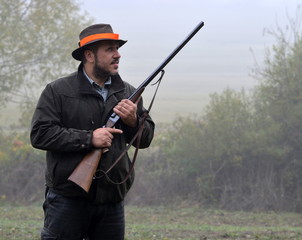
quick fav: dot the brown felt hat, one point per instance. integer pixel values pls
(94, 33)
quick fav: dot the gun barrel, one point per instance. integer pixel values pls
(168, 59)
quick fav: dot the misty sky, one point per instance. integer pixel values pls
(219, 56)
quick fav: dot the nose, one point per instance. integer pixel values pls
(116, 54)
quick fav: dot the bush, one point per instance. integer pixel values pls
(21, 170)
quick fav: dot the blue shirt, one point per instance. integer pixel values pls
(103, 91)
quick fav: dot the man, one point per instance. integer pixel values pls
(68, 123)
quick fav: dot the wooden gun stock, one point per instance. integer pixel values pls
(84, 172)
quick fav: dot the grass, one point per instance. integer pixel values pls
(160, 223)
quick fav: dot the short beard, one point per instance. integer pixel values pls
(99, 72)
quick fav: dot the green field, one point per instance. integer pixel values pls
(146, 223)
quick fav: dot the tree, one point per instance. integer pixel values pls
(37, 38)
(279, 98)
(245, 151)
(228, 121)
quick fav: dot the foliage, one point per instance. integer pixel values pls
(279, 98)
(21, 170)
(244, 152)
(37, 38)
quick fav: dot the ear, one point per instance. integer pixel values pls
(89, 56)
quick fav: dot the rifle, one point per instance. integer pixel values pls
(84, 172)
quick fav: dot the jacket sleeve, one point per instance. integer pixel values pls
(47, 131)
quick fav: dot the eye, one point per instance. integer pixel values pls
(112, 49)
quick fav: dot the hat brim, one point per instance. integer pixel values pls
(78, 53)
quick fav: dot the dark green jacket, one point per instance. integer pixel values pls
(68, 110)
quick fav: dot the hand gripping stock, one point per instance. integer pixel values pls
(86, 169)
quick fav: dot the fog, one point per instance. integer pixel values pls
(221, 55)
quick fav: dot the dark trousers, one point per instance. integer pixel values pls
(78, 219)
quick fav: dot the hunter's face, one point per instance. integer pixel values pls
(106, 59)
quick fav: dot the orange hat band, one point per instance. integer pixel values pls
(93, 37)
